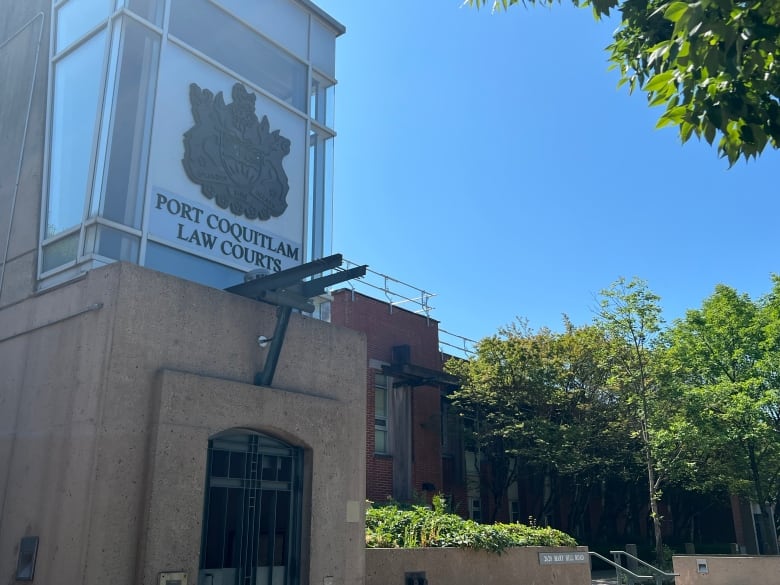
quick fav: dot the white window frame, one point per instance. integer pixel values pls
(382, 423)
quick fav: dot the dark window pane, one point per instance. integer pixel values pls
(267, 521)
(214, 524)
(219, 463)
(285, 470)
(237, 464)
(282, 527)
(269, 468)
(233, 525)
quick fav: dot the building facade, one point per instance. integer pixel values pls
(154, 152)
(414, 445)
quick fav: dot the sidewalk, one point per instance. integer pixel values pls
(603, 578)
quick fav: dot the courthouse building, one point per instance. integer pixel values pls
(153, 153)
(155, 426)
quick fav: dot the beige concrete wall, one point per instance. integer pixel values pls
(110, 388)
(727, 570)
(457, 566)
(23, 79)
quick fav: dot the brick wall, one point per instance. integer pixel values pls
(379, 468)
(426, 440)
(386, 327)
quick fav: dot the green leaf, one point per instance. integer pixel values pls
(709, 132)
(659, 50)
(659, 81)
(675, 11)
(686, 129)
(675, 115)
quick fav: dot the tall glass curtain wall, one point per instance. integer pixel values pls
(104, 73)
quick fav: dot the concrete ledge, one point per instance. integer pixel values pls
(725, 570)
(462, 566)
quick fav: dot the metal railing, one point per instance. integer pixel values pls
(456, 345)
(397, 293)
(629, 577)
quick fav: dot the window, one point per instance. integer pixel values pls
(445, 426)
(251, 516)
(119, 179)
(320, 201)
(99, 143)
(151, 10)
(74, 19)
(381, 444)
(321, 100)
(475, 509)
(77, 94)
(470, 434)
(514, 511)
(238, 47)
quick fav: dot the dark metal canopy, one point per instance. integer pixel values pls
(288, 290)
(412, 375)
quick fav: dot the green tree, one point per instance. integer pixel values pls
(595, 444)
(539, 403)
(724, 357)
(711, 64)
(504, 398)
(630, 316)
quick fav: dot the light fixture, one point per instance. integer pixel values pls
(262, 340)
(25, 564)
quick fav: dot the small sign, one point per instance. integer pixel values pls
(562, 558)
(173, 578)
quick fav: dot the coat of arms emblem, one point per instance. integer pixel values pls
(236, 159)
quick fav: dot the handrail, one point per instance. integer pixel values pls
(657, 574)
(620, 569)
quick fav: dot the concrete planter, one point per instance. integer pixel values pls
(726, 570)
(461, 566)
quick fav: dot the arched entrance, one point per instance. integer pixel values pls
(252, 511)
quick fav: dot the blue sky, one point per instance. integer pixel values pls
(491, 159)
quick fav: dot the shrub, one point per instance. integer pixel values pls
(389, 526)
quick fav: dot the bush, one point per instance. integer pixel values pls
(389, 526)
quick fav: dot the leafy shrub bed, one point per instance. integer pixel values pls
(391, 527)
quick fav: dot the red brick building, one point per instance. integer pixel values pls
(413, 444)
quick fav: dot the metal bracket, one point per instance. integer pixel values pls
(288, 290)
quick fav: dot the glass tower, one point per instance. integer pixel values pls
(173, 123)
